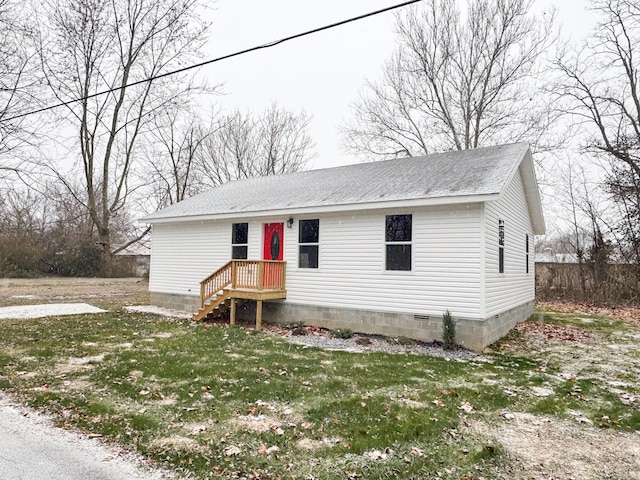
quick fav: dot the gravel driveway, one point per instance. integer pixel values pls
(31, 447)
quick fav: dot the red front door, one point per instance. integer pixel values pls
(273, 243)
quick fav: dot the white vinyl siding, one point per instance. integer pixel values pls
(446, 256)
(513, 287)
(183, 254)
(352, 275)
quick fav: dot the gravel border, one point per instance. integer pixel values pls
(361, 343)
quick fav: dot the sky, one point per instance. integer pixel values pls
(321, 74)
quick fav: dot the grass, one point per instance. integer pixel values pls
(224, 402)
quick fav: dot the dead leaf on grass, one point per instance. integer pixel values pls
(416, 452)
(467, 407)
(232, 450)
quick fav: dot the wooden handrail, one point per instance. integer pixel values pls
(244, 274)
(215, 282)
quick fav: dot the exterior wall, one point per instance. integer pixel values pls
(504, 291)
(451, 269)
(184, 253)
(351, 275)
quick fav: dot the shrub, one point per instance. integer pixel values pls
(448, 331)
(342, 333)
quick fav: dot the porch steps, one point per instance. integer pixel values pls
(214, 307)
(241, 280)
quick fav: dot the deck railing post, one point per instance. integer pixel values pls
(234, 274)
(260, 275)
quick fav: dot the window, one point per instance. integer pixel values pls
(308, 239)
(527, 252)
(398, 242)
(239, 240)
(500, 246)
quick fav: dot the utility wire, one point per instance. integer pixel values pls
(214, 60)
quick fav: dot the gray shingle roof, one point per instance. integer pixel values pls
(478, 172)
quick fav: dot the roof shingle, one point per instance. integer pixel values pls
(477, 172)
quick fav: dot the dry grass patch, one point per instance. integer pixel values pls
(550, 448)
(177, 443)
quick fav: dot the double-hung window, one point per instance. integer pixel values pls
(526, 248)
(239, 240)
(500, 246)
(308, 243)
(398, 238)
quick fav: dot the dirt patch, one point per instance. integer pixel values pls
(103, 291)
(549, 448)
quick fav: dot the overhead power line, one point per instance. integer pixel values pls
(214, 60)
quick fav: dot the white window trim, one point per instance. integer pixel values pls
(384, 250)
(308, 244)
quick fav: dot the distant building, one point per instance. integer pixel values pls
(134, 260)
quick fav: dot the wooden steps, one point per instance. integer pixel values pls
(241, 280)
(215, 306)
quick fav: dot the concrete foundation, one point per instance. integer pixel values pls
(187, 303)
(474, 334)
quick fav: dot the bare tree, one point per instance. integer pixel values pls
(241, 146)
(171, 166)
(602, 87)
(16, 84)
(458, 80)
(96, 45)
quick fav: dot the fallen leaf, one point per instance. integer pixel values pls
(377, 455)
(232, 450)
(262, 450)
(467, 407)
(416, 452)
(307, 425)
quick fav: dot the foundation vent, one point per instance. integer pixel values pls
(423, 318)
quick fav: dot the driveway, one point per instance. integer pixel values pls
(31, 447)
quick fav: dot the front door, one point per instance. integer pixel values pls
(273, 245)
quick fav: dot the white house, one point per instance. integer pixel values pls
(383, 247)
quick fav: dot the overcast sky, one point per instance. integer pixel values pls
(321, 74)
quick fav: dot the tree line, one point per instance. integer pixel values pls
(462, 76)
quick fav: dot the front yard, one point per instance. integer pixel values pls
(559, 398)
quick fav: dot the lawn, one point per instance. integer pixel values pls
(213, 401)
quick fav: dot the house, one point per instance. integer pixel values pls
(383, 247)
(134, 260)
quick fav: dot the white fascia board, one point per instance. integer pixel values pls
(532, 193)
(397, 204)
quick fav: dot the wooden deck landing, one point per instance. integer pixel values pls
(257, 280)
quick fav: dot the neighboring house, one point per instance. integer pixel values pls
(383, 247)
(134, 260)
